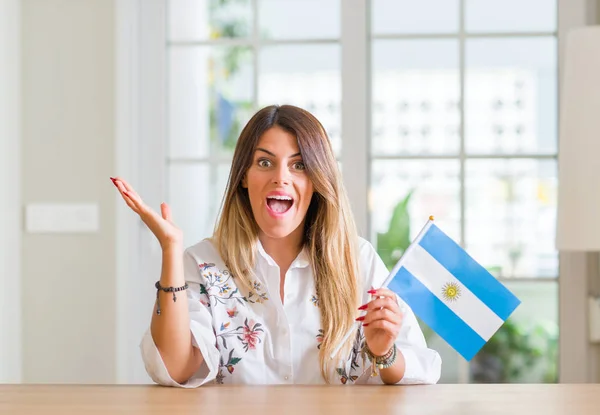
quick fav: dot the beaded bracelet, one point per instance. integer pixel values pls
(167, 290)
(380, 362)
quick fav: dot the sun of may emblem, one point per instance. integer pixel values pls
(451, 291)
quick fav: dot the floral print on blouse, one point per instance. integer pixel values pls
(252, 337)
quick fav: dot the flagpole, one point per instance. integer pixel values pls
(390, 277)
(400, 262)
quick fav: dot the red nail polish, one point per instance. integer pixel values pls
(372, 291)
(360, 318)
(363, 307)
(365, 324)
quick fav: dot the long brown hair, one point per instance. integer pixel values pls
(329, 230)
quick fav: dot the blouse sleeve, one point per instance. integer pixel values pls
(203, 336)
(423, 365)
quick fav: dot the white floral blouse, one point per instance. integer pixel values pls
(254, 338)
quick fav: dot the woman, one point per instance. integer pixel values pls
(272, 294)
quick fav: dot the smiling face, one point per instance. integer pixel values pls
(278, 185)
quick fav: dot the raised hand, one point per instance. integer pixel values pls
(162, 226)
(382, 321)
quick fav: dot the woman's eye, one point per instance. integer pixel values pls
(264, 163)
(299, 165)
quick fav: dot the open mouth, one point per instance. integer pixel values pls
(279, 204)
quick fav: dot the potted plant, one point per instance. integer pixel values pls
(518, 353)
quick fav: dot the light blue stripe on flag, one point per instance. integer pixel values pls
(436, 314)
(465, 269)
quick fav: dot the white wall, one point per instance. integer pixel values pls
(10, 316)
(68, 281)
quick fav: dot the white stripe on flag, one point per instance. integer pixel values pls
(467, 307)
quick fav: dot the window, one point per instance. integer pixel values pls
(462, 125)
(226, 59)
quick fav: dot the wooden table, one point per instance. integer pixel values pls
(305, 400)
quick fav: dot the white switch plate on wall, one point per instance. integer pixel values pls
(61, 218)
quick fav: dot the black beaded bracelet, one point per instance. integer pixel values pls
(167, 290)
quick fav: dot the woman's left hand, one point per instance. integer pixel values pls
(382, 322)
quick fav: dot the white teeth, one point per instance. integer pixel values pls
(279, 197)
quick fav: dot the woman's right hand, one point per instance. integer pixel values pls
(167, 233)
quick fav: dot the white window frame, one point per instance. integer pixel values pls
(140, 131)
(10, 192)
(141, 138)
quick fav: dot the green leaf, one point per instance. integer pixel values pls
(235, 360)
(392, 244)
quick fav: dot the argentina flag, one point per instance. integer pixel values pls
(453, 294)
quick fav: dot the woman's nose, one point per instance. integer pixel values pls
(281, 176)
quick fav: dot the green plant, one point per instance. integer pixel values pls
(392, 244)
(518, 352)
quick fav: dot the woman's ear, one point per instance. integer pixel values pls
(245, 182)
